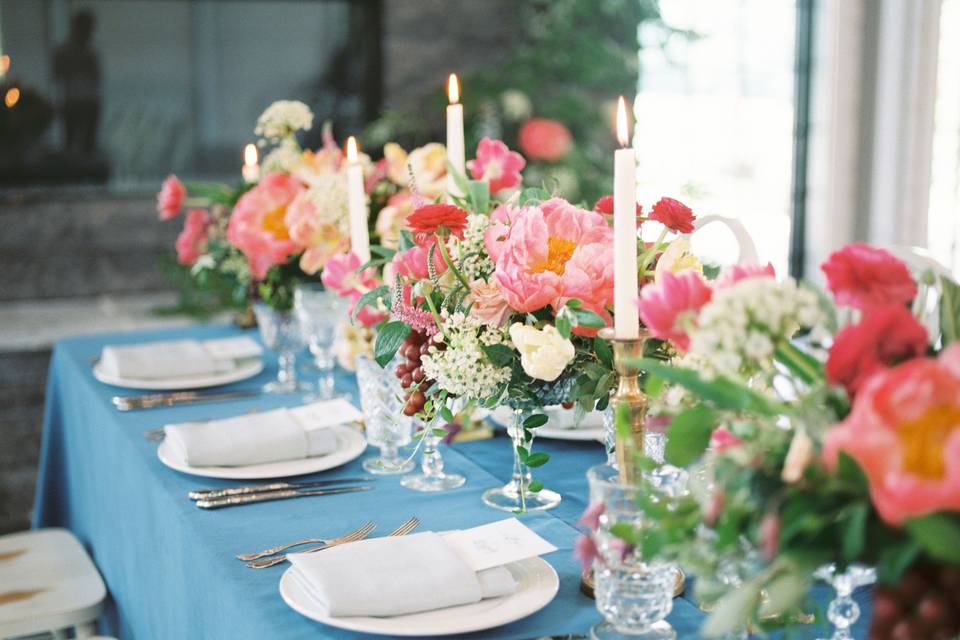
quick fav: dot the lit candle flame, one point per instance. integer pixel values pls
(250, 155)
(623, 134)
(453, 89)
(4, 64)
(12, 97)
(352, 152)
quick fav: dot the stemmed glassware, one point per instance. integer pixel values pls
(516, 495)
(386, 426)
(843, 610)
(319, 312)
(280, 332)
(432, 477)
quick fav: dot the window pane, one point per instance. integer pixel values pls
(715, 118)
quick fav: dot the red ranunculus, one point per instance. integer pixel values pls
(884, 337)
(544, 139)
(862, 276)
(605, 206)
(674, 215)
(426, 221)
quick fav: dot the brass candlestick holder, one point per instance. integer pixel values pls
(627, 398)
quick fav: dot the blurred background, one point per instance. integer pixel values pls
(815, 122)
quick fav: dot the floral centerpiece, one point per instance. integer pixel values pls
(811, 447)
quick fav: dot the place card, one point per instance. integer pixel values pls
(327, 413)
(496, 544)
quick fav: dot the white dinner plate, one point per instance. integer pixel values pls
(590, 428)
(244, 368)
(537, 585)
(350, 444)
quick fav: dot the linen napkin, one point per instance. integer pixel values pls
(175, 358)
(272, 436)
(395, 576)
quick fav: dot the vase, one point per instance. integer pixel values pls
(432, 477)
(516, 496)
(281, 332)
(387, 428)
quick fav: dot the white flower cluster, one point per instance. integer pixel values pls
(462, 369)
(328, 193)
(282, 119)
(283, 158)
(477, 263)
(739, 329)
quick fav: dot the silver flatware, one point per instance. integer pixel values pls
(208, 494)
(359, 534)
(263, 563)
(267, 496)
(153, 400)
(247, 557)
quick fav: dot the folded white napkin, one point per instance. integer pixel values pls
(176, 358)
(259, 438)
(395, 576)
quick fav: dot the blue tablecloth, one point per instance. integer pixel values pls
(169, 566)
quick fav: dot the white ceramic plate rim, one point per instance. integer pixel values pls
(352, 444)
(244, 368)
(538, 582)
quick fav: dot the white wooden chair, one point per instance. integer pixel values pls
(48, 584)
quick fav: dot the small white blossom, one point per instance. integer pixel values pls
(477, 264)
(282, 119)
(283, 158)
(462, 369)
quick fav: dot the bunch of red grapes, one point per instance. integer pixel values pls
(411, 373)
(924, 605)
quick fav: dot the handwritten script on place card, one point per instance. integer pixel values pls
(497, 543)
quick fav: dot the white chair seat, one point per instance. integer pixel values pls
(47, 584)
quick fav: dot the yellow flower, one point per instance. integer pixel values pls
(676, 258)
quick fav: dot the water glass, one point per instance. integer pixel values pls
(387, 428)
(634, 594)
(280, 332)
(320, 311)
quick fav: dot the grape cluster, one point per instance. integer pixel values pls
(924, 604)
(411, 374)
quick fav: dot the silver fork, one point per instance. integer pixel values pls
(247, 557)
(359, 534)
(405, 528)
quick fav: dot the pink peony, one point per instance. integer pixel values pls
(670, 306)
(554, 253)
(904, 432)
(318, 227)
(412, 263)
(497, 165)
(862, 276)
(170, 198)
(192, 241)
(341, 275)
(497, 233)
(737, 272)
(543, 139)
(257, 226)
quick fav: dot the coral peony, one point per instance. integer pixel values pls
(554, 253)
(674, 215)
(318, 222)
(543, 139)
(497, 165)
(498, 232)
(884, 337)
(192, 241)
(170, 198)
(425, 223)
(341, 275)
(412, 263)
(669, 308)
(257, 226)
(737, 272)
(904, 432)
(862, 276)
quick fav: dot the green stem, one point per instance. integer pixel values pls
(436, 314)
(808, 369)
(648, 254)
(450, 265)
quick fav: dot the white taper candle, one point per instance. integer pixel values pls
(357, 200)
(625, 284)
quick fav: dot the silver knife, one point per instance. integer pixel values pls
(267, 496)
(151, 400)
(209, 494)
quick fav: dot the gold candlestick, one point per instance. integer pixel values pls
(629, 398)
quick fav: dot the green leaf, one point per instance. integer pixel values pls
(368, 298)
(894, 560)
(479, 194)
(389, 338)
(850, 472)
(587, 318)
(784, 593)
(854, 533)
(458, 179)
(721, 392)
(534, 421)
(573, 303)
(537, 459)
(440, 433)
(446, 414)
(406, 240)
(653, 386)
(689, 435)
(938, 534)
(949, 310)
(563, 325)
(523, 454)
(382, 252)
(499, 355)
(535, 486)
(604, 353)
(626, 532)
(732, 612)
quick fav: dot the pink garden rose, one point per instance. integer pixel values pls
(543, 139)
(340, 274)
(904, 432)
(497, 165)
(737, 272)
(193, 239)
(554, 253)
(170, 198)
(669, 307)
(257, 225)
(317, 221)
